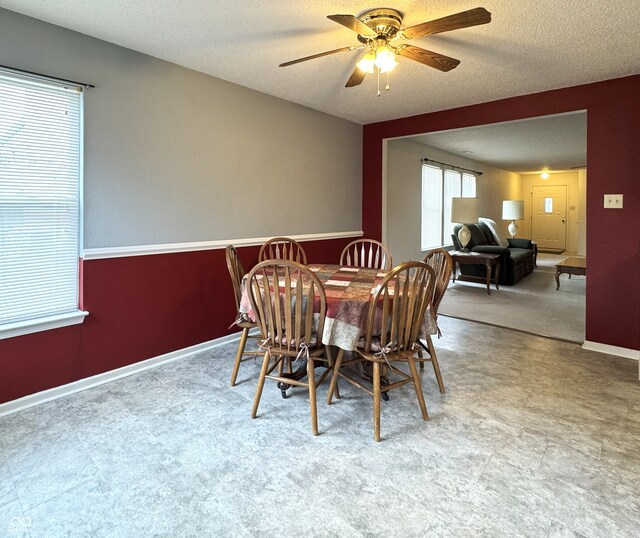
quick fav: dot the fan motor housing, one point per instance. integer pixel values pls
(385, 22)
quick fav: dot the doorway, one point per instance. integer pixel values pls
(549, 217)
(506, 154)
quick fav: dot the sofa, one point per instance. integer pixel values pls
(516, 259)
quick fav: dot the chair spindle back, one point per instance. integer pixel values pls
(442, 264)
(289, 303)
(367, 253)
(236, 271)
(398, 307)
(282, 248)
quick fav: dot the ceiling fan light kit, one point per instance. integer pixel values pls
(379, 30)
(368, 63)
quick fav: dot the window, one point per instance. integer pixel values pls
(40, 165)
(439, 185)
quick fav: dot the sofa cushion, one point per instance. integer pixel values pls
(492, 249)
(497, 233)
(477, 237)
(519, 254)
(517, 242)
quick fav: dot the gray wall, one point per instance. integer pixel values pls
(404, 193)
(173, 155)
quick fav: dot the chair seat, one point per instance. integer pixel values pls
(313, 343)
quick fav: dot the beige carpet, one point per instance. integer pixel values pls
(532, 305)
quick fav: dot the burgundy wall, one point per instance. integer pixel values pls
(139, 307)
(613, 166)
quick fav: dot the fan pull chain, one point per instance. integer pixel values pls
(387, 87)
(378, 94)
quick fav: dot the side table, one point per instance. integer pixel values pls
(477, 258)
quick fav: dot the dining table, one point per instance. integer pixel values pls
(348, 291)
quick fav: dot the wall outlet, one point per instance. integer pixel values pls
(613, 201)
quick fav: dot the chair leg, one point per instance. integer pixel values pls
(263, 373)
(436, 365)
(332, 362)
(311, 376)
(333, 386)
(241, 345)
(418, 386)
(376, 401)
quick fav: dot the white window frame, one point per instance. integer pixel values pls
(466, 187)
(48, 322)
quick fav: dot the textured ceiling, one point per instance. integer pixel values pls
(552, 142)
(528, 47)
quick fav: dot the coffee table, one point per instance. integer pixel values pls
(573, 265)
(477, 258)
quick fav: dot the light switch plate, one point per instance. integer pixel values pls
(613, 201)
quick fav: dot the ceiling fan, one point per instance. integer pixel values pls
(379, 30)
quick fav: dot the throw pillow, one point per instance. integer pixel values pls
(491, 224)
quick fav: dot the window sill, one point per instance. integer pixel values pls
(20, 328)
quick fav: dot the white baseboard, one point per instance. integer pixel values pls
(48, 395)
(612, 350)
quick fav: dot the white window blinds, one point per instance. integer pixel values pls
(439, 185)
(40, 126)
(431, 207)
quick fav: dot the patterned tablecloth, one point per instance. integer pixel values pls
(348, 291)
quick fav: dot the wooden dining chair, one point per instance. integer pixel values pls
(366, 253)
(290, 307)
(236, 271)
(399, 306)
(442, 264)
(282, 248)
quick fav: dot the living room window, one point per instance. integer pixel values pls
(439, 185)
(40, 203)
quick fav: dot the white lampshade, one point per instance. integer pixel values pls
(464, 210)
(512, 209)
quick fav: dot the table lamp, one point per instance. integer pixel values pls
(464, 211)
(513, 210)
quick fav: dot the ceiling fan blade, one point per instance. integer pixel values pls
(356, 78)
(473, 17)
(426, 57)
(353, 23)
(319, 55)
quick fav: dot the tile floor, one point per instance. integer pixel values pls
(533, 438)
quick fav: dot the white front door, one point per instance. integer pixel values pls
(549, 216)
